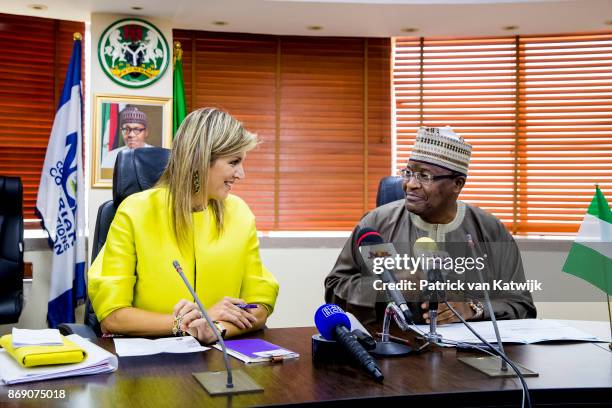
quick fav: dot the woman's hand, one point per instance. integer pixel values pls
(192, 321)
(227, 311)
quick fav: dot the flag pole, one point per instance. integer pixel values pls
(610, 318)
(607, 299)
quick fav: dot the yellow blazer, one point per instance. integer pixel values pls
(134, 268)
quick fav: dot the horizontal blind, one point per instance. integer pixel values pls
(237, 73)
(378, 107)
(320, 159)
(321, 156)
(565, 129)
(535, 109)
(34, 57)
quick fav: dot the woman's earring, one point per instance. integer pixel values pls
(196, 182)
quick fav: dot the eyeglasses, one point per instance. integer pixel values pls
(136, 131)
(423, 178)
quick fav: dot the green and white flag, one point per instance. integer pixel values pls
(590, 257)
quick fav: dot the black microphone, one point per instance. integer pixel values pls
(371, 237)
(334, 324)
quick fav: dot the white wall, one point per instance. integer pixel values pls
(99, 83)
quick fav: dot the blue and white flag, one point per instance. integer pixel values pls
(61, 199)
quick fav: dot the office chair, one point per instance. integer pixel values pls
(389, 190)
(135, 170)
(11, 249)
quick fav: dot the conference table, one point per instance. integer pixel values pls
(570, 374)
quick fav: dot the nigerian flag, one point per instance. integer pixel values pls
(179, 110)
(590, 257)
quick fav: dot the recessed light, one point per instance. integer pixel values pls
(137, 8)
(220, 23)
(409, 30)
(314, 27)
(509, 27)
(37, 6)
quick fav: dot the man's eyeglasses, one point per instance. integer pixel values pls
(423, 178)
(127, 130)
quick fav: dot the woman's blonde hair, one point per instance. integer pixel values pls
(204, 136)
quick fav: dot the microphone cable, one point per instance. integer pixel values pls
(495, 351)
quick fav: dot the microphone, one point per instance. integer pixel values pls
(428, 249)
(210, 380)
(371, 238)
(334, 324)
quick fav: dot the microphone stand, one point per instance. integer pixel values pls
(487, 364)
(433, 337)
(213, 381)
(385, 347)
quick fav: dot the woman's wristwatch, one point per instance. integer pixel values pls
(220, 328)
(478, 309)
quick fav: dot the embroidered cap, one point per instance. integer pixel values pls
(131, 114)
(442, 147)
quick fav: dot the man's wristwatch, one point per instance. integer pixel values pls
(478, 309)
(222, 330)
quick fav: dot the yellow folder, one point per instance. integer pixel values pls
(31, 356)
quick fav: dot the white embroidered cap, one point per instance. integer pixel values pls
(442, 147)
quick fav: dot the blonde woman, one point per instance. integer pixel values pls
(189, 216)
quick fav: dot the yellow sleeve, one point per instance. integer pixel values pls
(113, 273)
(259, 285)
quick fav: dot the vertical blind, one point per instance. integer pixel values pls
(34, 57)
(536, 109)
(321, 107)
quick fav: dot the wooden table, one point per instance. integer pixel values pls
(570, 373)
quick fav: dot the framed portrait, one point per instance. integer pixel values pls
(126, 122)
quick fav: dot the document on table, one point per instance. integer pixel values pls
(98, 361)
(524, 331)
(129, 347)
(42, 337)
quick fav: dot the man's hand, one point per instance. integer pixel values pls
(445, 315)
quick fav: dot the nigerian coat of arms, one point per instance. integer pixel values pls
(133, 53)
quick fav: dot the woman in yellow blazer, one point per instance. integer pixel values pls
(190, 217)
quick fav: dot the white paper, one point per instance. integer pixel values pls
(42, 337)
(524, 331)
(97, 361)
(130, 347)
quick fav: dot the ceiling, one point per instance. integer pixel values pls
(374, 18)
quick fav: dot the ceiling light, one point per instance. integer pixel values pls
(409, 30)
(509, 27)
(314, 27)
(137, 8)
(220, 23)
(37, 6)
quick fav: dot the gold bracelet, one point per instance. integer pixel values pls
(176, 326)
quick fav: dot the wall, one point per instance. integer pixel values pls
(102, 84)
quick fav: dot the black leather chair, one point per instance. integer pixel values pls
(135, 170)
(389, 189)
(11, 249)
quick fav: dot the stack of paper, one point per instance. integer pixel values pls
(524, 331)
(98, 361)
(42, 337)
(146, 347)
